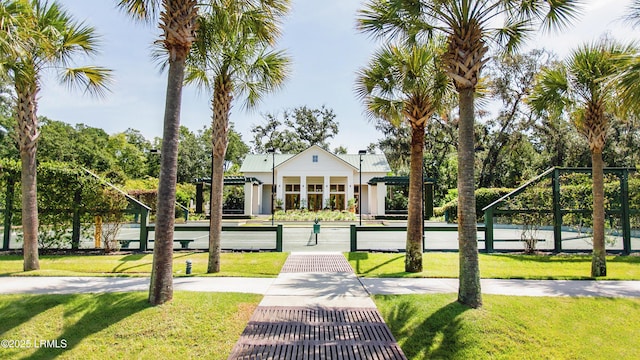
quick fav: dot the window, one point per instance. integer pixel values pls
(292, 187)
(337, 197)
(337, 188)
(292, 196)
(314, 196)
(314, 158)
(314, 188)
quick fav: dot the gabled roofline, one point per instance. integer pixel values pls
(321, 149)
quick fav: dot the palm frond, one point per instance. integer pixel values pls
(91, 80)
(561, 13)
(393, 19)
(234, 42)
(632, 15)
(403, 79)
(513, 35)
(145, 11)
(551, 93)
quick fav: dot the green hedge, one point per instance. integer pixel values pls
(484, 197)
(60, 186)
(575, 194)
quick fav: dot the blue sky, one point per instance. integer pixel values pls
(321, 38)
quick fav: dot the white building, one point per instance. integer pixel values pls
(315, 179)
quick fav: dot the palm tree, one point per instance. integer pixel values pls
(467, 26)
(38, 36)
(231, 57)
(177, 20)
(580, 88)
(408, 82)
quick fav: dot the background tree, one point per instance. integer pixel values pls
(579, 89)
(232, 57)
(44, 37)
(177, 19)
(312, 126)
(194, 155)
(236, 150)
(128, 158)
(467, 26)
(298, 129)
(510, 81)
(407, 83)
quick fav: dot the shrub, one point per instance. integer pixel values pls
(484, 197)
(322, 215)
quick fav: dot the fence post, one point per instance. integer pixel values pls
(557, 212)
(8, 212)
(279, 238)
(624, 202)
(353, 238)
(144, 234)
(488, 230)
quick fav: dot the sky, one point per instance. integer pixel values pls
(326, 51)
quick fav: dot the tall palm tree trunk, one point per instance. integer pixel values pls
(413, 260)
(221, 108)
(27, 137)
(161, 287)
(469, 289)
(599, 260)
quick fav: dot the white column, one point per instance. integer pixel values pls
(248, 198)
(381, 195)
(326, 190)
(279, 188)
(257, 198)
(373, 203)
(365, 198)
(351, 184)
(303, 191)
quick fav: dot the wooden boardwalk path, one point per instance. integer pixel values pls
(341, 330)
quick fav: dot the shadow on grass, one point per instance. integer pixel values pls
(95, 314)
(567, 258)
(24, 308)
(547, 258)
(137, 257)
(358, 257)
(436, 337)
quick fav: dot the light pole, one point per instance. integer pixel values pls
(360, 153)
(273, 180)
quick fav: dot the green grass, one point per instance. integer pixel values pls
(508, 327)
(125, 326)
(232, 264)
(497, 266)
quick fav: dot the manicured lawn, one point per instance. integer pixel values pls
(232, 264)
(497, 266)
(124, 325)
(437, 327)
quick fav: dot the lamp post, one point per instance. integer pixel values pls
(272, 151)
(360, 153)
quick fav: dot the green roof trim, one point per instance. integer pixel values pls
(231, 180)
(396, 180)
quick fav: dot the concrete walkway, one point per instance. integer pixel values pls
(346, 284)
(317, 309)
